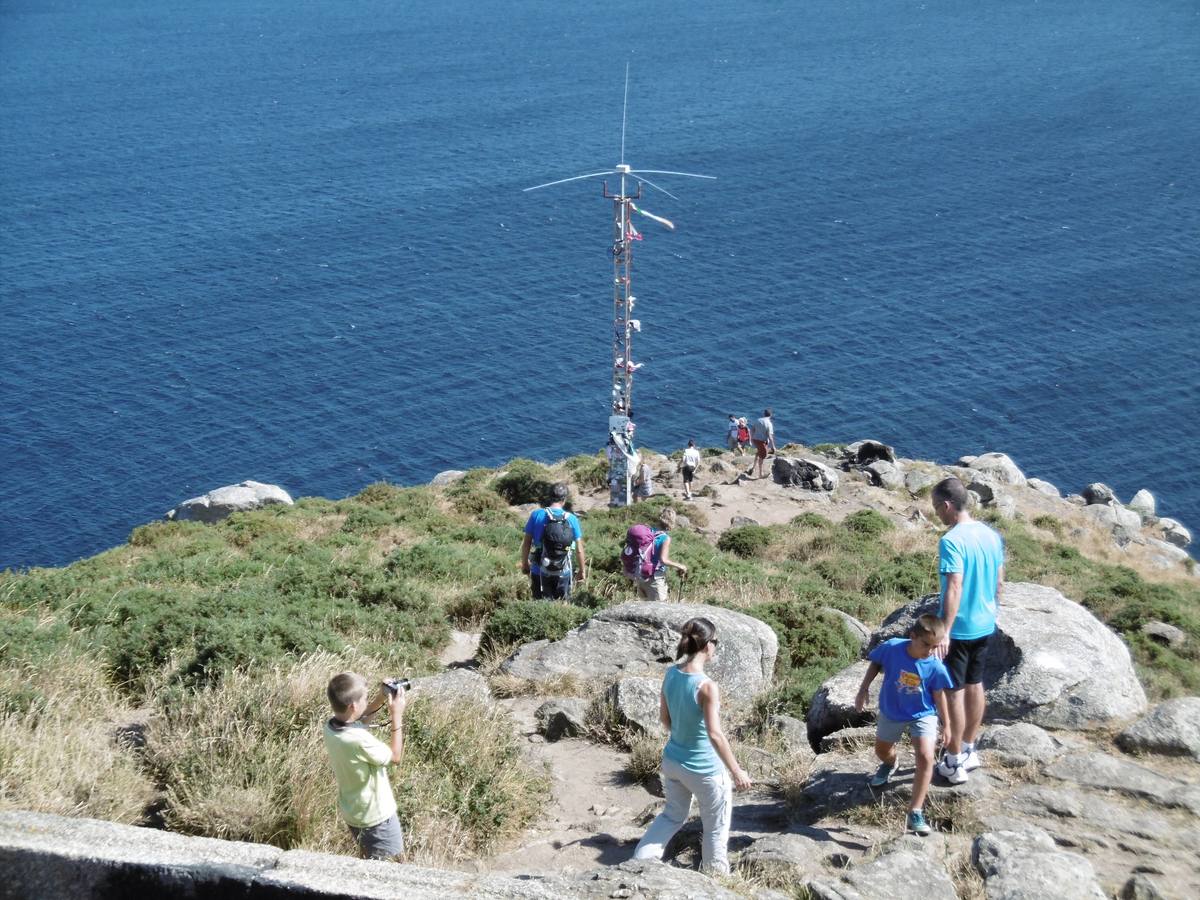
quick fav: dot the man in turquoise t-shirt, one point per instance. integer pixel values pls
(552, 584)
(971, 568)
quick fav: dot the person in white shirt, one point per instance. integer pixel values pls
(691, 462)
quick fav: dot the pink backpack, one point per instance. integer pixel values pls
(637, 557)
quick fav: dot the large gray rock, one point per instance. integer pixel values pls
(560, 718)
(1171, 728)
(1099, 770)
(224, 501)
(1015, 745)
(635, 703)
(1044, 487)
(441, 479)
(901, 874)
(640, 638)
(1099, 492)
(454, 684)
(916, 480)
(1027, 865)
(1140, 887)
(805, 473)
(1165, 634)
(780, 857)
(1174, 533)
(1143, 504)
(1115, 518)
(854, 627)
(999, 467)
(1033, 673)
(832, 706)
(885, 474)
(1164, 555)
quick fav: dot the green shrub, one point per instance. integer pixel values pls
(810, 520)
(866, 522)
(807, 635)
(588, 472)
(525, 481)
(530, 620)
(829, 449)
(906, 576)
(745, 541)
(478, 603)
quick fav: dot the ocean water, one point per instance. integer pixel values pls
(287, 240)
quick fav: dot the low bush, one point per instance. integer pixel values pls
(588, 472)
(746, 541)
(866, 522)
(810, 520)
(530, 620)
(524, 481)
(905, 577)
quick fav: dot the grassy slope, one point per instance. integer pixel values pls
(221, 638)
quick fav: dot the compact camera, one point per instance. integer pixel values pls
(394, 685)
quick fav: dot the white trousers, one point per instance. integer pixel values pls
(714, 797)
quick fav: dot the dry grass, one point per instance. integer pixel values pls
(318, 529)
(58, 747)
(968, 883)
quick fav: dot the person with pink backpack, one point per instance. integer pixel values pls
(647, 556)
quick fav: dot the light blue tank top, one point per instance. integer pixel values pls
(689, 744)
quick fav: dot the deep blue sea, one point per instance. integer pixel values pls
(287, 240)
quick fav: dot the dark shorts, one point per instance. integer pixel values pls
(551, 587)
(965, 660)
(760, 448)
(382, 841)
(688, 472)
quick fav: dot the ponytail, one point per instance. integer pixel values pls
(695, 637)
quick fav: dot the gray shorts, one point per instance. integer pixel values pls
(890, 731)
(382, 841)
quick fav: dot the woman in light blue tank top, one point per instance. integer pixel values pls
(697, 761)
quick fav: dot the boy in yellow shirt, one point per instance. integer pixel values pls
(360, 762)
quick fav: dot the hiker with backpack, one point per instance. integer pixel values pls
(550, 535)
(646, 557)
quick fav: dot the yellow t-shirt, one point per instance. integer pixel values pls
(360, 762)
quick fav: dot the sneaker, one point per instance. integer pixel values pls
(917, 823)
(953, 773)
(972, 761)
(882, 775)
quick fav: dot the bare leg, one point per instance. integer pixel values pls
(924, 749)
(955, 706)
(886, 752)
(973, 706)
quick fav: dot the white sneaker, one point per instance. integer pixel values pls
(952, 772)
(971, 762)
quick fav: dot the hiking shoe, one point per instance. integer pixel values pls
(971, 762)
(917, 823)
(955, 774)
(882, 775)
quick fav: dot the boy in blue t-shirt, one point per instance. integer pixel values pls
(912, 698)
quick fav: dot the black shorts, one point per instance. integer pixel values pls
(965, 660)
(688, 472)
(552, 586)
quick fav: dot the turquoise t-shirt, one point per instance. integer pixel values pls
(977, 552)
(689, 744)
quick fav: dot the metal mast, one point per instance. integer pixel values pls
(623, 459)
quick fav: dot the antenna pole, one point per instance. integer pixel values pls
(623, 457)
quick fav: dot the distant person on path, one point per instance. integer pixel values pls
(743, 436)
(691, 462)
(550, 535)
(763, 436)
(912, 698)
(971, 567)
(697, 760)
(658, 560)
(731, 434)
(360, 762)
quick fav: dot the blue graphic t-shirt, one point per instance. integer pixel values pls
(534, 528)
(906, 693)
(976, 552)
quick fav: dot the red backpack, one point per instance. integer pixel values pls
(638, 556)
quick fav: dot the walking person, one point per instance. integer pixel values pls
(697, 760)
(655, 587)
(551, 533)
(762, 433)
(731, 434)
(971, 568)
(691, 462)
(743, 436)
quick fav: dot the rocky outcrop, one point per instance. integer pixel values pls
(635, 704)
(806, 473)
(863, 453)
(640, 638)
(996, 466)
(441, 479)
(224, 501)
(1174, 533)
(1099, 493)
(832, 706)
(1032, 672)
(1171, 728)
(885, 474)
(1028, 865)
(1143, 504)
(1020, 744)
(903, 871)
(1098, 770)
(557, 719)
(1044, 487)
(454, 684)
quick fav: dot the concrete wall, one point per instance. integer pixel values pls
(55, 858)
